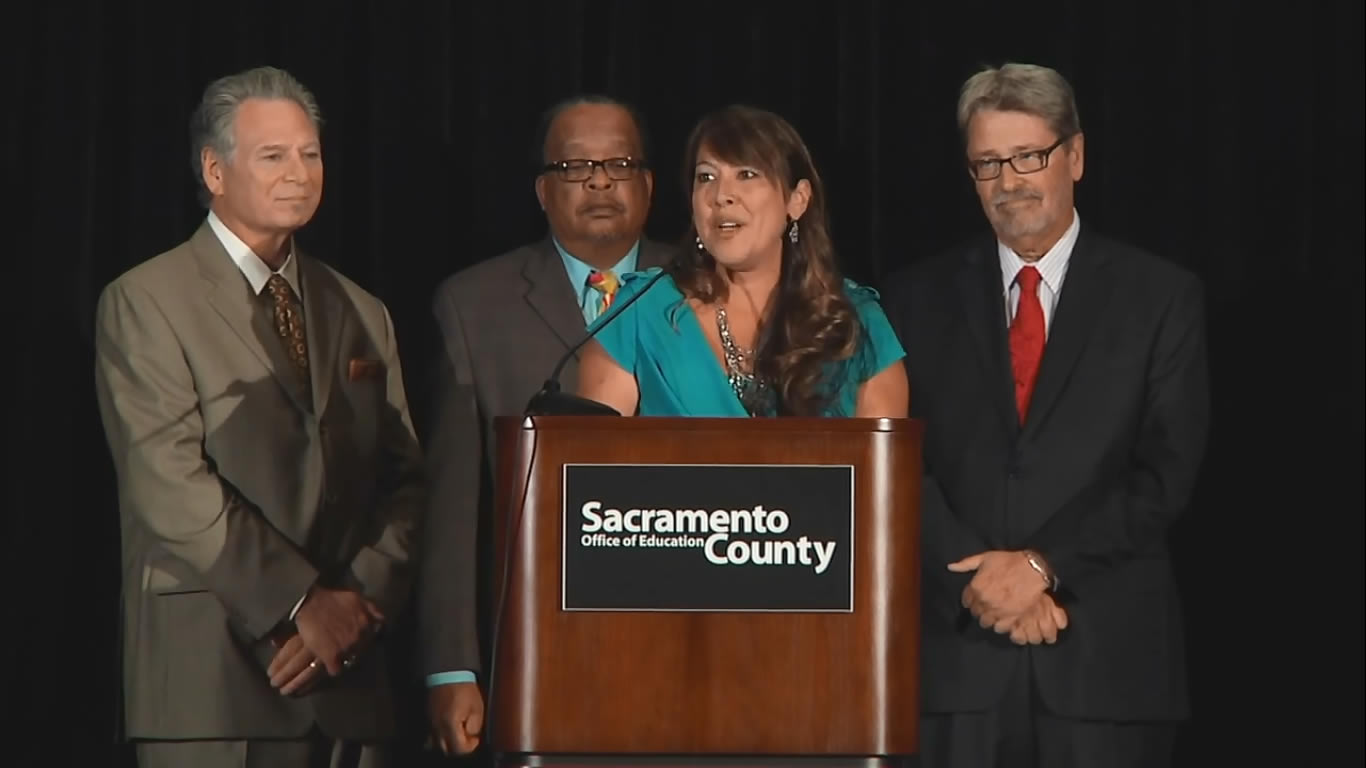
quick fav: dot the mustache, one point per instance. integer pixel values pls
(1001, 198)
(601, 205)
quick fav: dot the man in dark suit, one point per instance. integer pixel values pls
(505, 323)
(269, 476)
(1065, 430)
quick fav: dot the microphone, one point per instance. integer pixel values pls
(550, 401)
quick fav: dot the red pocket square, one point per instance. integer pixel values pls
(364, 369)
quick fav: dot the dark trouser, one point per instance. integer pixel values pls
(1020, 733)
(317, 751)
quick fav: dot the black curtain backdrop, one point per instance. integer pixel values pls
(1225, 136)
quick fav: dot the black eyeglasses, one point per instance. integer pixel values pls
(1033, 161)
(616, 168)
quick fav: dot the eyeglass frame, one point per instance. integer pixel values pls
(1000, 162)
(561, 167)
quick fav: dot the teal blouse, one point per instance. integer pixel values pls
(660, 341)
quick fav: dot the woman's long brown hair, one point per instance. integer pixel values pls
(811, 322)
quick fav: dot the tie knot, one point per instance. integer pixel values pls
(278, 287)
(1028, 278)
(603, 282)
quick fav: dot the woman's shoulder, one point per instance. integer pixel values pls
(861, 295)
(639, 276)
(657, 285)
(868, 307)
(655, 279)
(879, 345)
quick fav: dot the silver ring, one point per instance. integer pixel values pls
(313, 664)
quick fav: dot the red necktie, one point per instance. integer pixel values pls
(1026, 339)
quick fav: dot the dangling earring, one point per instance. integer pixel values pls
(792, 232)
(700, 246)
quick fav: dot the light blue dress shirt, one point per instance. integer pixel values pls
(588, 298)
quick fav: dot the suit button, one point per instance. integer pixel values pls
(322, 430)
(330, 498)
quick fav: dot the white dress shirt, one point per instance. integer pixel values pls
(1052, 268)
(255, 270)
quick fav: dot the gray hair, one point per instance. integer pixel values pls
(211, 123)
(1027, 88)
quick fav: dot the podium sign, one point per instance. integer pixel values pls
(710, 537)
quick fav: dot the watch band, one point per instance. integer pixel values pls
(1050, 580)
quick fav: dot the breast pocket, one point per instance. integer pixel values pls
(355, 411)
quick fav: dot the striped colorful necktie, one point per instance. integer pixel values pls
(605, 283)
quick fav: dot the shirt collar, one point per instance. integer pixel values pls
(251, 265)
(1052, 266)
(580, 270)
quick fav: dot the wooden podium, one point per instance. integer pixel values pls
(716, 592)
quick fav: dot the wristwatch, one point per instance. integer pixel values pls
(1050, 579)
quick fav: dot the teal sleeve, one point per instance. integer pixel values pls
(446, 678)
(884, 348)
(617, 329)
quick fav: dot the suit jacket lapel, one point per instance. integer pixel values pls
(550, 295)
(245, 313)
(979, 283)
(1086, 289)
(323, 321)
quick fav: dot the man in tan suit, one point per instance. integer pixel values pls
(269, 477)
(505, 323)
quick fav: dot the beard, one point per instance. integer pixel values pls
(1019, 221)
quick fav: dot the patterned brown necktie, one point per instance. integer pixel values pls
(289, 324)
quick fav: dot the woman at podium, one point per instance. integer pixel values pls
(753, 318)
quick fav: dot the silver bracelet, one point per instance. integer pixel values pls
(1050, 582)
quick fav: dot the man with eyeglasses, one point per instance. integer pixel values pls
(1063, 381)
(505, 323)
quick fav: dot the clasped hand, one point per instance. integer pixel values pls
(456, 713)
(335, 626)
(1007, 595)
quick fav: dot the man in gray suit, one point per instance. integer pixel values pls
(505, 323)
(269, 476)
